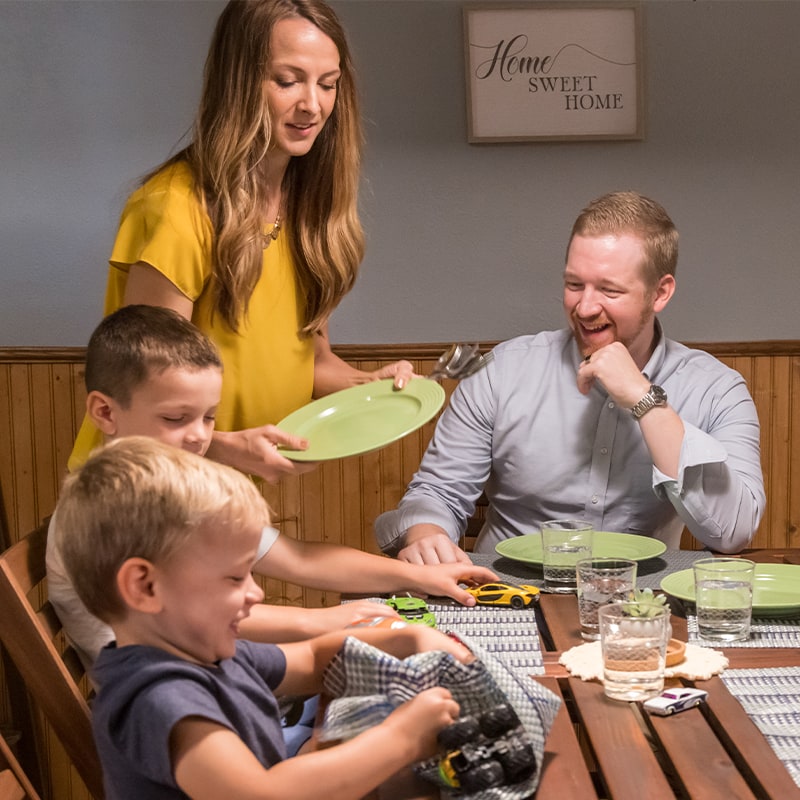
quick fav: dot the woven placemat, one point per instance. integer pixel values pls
(771, 698)
(509, 634)
(764, 632)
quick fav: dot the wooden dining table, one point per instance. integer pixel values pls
(602, 748)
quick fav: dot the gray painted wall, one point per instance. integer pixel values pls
(465, 241)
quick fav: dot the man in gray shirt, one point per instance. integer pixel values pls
(607, 420)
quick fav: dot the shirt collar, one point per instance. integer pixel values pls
(656, 360)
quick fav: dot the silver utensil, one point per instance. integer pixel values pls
(459, 361)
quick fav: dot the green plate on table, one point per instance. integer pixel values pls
(362, 418)
(776, 588)
(528, 548)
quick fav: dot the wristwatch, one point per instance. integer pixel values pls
(655, 397)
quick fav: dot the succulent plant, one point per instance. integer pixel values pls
(645, 604)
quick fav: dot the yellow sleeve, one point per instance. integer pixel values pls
(164, 226)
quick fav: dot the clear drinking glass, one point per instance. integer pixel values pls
(564, 543)
(723, 592)
(602, 581)
(633, 640)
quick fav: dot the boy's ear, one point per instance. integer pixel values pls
(136, 585)
(102, 411)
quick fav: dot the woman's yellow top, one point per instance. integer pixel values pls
(268, 366)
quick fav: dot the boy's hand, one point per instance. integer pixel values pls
(337, 617)
(411, 639)
(255, 451)
(419, 720)
(426, 639)
(442, 580)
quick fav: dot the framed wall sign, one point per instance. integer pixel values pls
(550, 71)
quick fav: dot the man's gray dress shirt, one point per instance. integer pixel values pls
(522, 432)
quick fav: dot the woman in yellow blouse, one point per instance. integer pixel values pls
(252, 230)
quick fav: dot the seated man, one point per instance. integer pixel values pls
(607, 420)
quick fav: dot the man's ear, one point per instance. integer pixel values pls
(665, 288)
(136, 580)
(102, 411)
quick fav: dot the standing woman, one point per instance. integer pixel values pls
(252, 231)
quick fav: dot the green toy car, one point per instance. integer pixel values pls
(413, 609)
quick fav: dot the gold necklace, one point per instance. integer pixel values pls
(269, 238)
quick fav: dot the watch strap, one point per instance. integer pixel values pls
(656, 396)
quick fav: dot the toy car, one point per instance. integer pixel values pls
(671, 701)
(485, 751)
(413, 609)
(505, 594)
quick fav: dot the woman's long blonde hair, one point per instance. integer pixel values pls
(229, 152)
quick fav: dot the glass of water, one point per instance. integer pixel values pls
(564, 543)
(723, 591)
(633, 641)
(602, 581)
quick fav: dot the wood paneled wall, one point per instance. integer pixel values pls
(42, 398)
(41, 405)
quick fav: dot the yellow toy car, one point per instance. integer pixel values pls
(505, 594)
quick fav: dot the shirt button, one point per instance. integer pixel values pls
(594, 499)
(604, 451)
(611, 404)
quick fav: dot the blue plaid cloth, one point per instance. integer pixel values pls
(367, 684)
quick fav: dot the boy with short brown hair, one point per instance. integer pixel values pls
(149, 371)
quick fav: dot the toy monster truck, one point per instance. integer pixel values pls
(485, 751)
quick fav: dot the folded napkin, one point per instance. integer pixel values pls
(368, 684)
(585, 661)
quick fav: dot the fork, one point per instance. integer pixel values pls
(460, 361)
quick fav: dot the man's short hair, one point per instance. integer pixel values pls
(138, 497)
(138, 341)
(633, 213)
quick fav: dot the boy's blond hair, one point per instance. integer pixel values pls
(138, 497)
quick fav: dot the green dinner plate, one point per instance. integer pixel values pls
(528, 548)
(362, 418)
(776, 589)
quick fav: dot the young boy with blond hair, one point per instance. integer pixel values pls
(160, 544)
(150, 372)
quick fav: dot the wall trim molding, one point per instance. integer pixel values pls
(393, 352)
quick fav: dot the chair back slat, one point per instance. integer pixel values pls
(10, 788)
(30, 641)
(14, 783)
(48, 619)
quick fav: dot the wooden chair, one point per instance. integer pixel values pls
(14, 783)
(21, 713)
(52, 670)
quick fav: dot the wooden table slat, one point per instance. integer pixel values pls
(565, 775)
(712, 776)
(629, 768)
